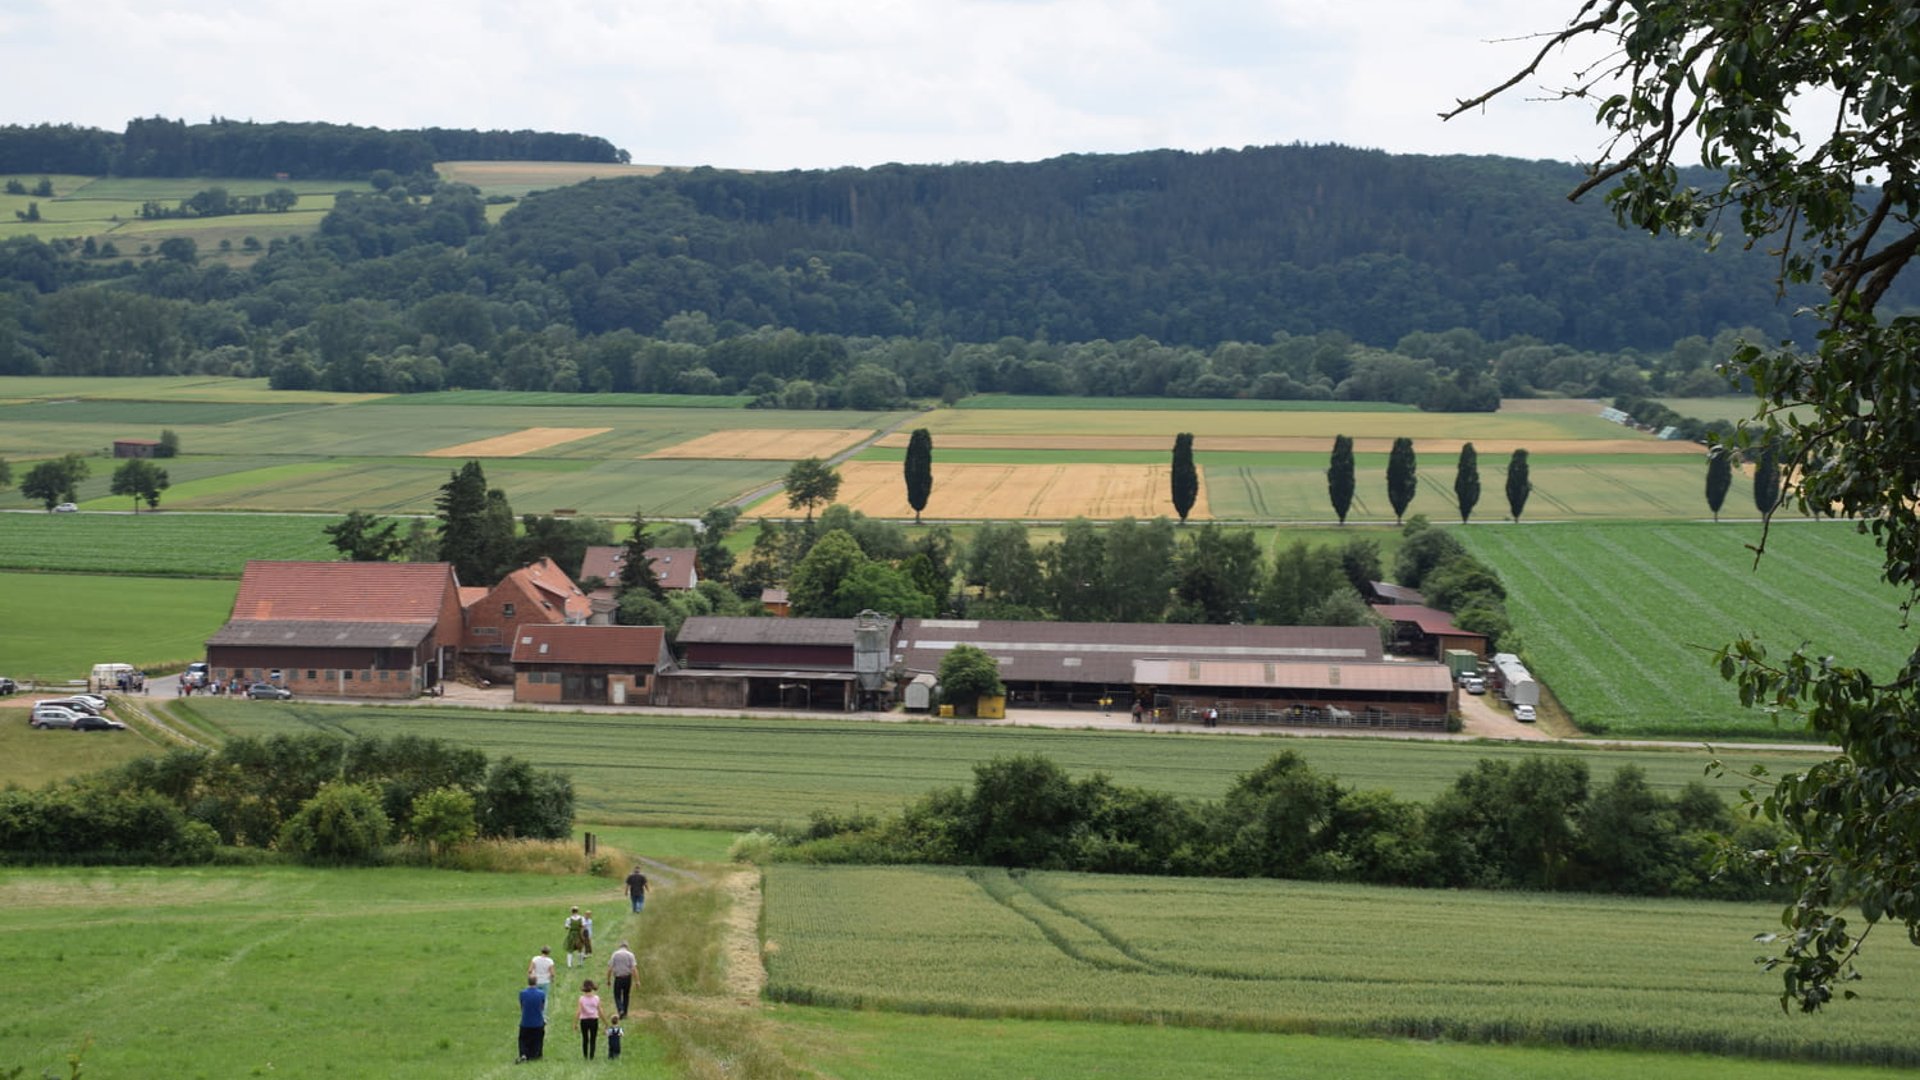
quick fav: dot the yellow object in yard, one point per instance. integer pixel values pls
(946, 711)
(991, 708)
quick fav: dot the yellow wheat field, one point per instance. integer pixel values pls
(1298, 444)
(982, 492)
(524, 441)
(766, 444)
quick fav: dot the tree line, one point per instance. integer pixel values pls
(158, 146)
(1537, 823)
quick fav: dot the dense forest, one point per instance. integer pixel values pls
(1312, 273)
(156, 146)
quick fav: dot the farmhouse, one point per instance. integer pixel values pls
(537, 594)
(674, 568)
(346, 629)
(588, 665)
(740, 662)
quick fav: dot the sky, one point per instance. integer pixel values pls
(779, 84)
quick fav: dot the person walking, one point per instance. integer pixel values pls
(576, 925)
(613, 1039)
(588, 1016)
(1137, 711)
(620, 968)
(637, 889)
(540, 973)
(587, 939)
(533, 1022)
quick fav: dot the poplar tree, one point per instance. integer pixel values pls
(1719, 479)
(919, 470)
(1519, 483)
(1466, 482)
(1340, 476)
(1766, 481)
(1186, 478)
(1402, 478)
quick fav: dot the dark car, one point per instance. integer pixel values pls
(8, 686)
(98, 723)
(266, 691)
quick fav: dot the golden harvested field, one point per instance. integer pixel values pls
(520, 177)
(1512, 428)
(524, 441)
(1100, 492)
(1298, 444)
(756, 444)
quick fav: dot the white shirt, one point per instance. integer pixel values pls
(542, 968)
(621, 962)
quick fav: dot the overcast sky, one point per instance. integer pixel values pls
(775, 84)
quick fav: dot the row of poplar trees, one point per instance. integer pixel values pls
(1402, 482)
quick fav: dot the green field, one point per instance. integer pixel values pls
(1620, 619)
(157, 545)
(77, 621)
(1290, 956)
(210, 388)
(1371, 421)
(737, 772)
(1166, 404)
(108, 208)
(32, 758)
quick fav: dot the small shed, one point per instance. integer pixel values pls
(921, 692)
(136, 448)
(588, 665)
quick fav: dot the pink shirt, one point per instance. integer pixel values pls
(589, 1007)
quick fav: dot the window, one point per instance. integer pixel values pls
(310, 674)
(506, 611)
(385, 675)
(330, 675)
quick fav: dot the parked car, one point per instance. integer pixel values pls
(266, 691)
(66, 508)
(98, 723)
(197, 674)
(1523, 713)
(1474, 684)
(8, 686)
(54, 716)
(86, 703)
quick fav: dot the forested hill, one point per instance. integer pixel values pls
(157, 146)
(1183, 248)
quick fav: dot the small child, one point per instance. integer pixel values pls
(587, 936)
(613, 1038)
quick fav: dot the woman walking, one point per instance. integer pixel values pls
(576, 927)
(589, 1017)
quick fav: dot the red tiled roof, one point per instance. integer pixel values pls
(674, 566)
(1430, 620)
(136, 442)
(546, 583)
(343, 591)
(470, 594)
(588, 644)
(602, 562)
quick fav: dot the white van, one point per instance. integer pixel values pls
(106, 677)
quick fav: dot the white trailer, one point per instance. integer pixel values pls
(1517, 685)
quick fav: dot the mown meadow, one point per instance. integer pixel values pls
(59, 625)
(1285, 956)
(1620, 619)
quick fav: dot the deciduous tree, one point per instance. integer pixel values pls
(1466, 482)
(968, 674)
(1340, 476)
(1402, 479)
(141, 479)
(54, 481)
(919, 470)
(1839, 199)
(811, 483)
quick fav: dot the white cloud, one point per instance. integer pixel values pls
(809, 83)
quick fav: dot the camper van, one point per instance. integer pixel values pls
(106, 677)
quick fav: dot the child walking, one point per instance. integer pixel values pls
(613, 1038)
(589, 1017)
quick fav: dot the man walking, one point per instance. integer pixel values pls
(533, 1021)
(540, 974)
(620, 967)
(637, 889)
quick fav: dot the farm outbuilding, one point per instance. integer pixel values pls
(341, 629)
(136, 448)
(736, 662)
(590, 665)
(537, 594)
(1403, 695)
(1419, 630)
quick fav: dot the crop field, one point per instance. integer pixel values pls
(1010, 491)
(522, 398)
(521, 177)
(714, 772)
(1620, 619)
(778, 444)
(1162, 404)
(301, 972)
(1291, 956)
(77, 621)
(514, 444)
(1309, 446)
(157, 545)
(108, 208)
(205, 388)
(1523, 429)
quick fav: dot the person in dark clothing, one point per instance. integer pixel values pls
(637, 889)
(533, 1022)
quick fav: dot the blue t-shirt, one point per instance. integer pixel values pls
(533, 1007)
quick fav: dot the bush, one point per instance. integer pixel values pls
(441, 818)
(968, 674)
(343, 823)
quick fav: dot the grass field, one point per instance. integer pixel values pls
(1619, 619)
(739, 772)
(157, 545)
(108, 208)
(1289, 956)
(1371, 422)
(32, 758)
(521, 177)
(1161, 404)
(80, 621)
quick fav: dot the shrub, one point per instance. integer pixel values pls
(441, 818)
(342, 823)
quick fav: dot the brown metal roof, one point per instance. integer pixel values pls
(746, 630)
(322, 633)
(1414, 678)
(554, 644)
(1105, 652)
(1429, 620)
(1390, 593)
(343, 591)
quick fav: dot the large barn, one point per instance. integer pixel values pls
(341, 629)
(733, 662)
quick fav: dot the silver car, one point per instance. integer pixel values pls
(55, 716)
